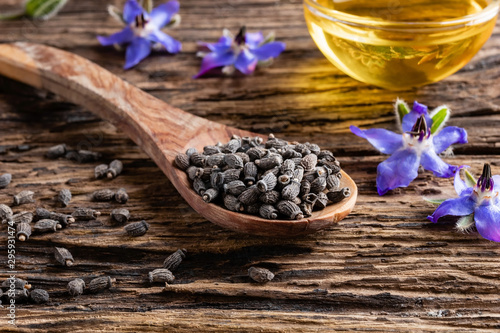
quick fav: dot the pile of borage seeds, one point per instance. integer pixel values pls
(275, 180)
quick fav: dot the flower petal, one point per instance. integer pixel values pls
(430, 161)
(172, 45)
(410, 118)
(487, 219)
(161, 15)
(397, 171)
(131, 10)
(496, 183)
(448, 136)
(253, 39)
(214, 60)
(456, 207)
(121, 37)
(139, 49)
(385, 141)
(221, 46)
(246, 62)
(269, 50)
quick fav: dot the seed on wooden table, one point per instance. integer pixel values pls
(85, 214)
(232, 146)
(216, 159)
(101, 171)
(64, 257)
(120, 215)
(56, 151)
(210, 195)
(309, 162)
(22, 217)
(232, 203)
(236, 187)
(39, 296)
(161, 275)
(46, 225)
(182, 161)
(75, 287)
(318, 185)
(192, 172)
(290, 210)
(250, 195)
(198, 159)
(5, 213)
(231, 175)
(199, 186)
(121, 196)
(305, 188)
(191, 151)
(255, 153)
(337, 196)
(24, 197)
(137, 229)
(250, 171)
(174, 260)
(63, 219)
(291, 191)
(268, 212)
(103, 195)
(5, 180)
(267, 163)
(270, 197)
(233, 161)
(18, 295)
(210, 150)
(83, 156)
(23, 231)
(321, 201)
(64, 197)
(260, 275)
(244, 157)
(115, 168)
(267, 182)
(333, 166)
(16, 283)
(298, 174)
(100, 284)
(326, 155)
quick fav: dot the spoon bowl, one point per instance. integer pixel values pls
(160, 129)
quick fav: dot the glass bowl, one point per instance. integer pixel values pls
(400, 44)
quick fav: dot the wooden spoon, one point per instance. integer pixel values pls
(161, 130)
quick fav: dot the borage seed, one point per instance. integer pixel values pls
(260, 275)
(16, 283)
(268, 212)
(100, 284)
(321, 201)
(337, 196)
(174, 260)
(46, 225)
(23, 197)
(64, 197)
(115, 168)
(101, 171)
(5, 180)
(182, 161)
(75, 287)
(290, 210)
(137, 229)
(103, 195)
(23, 231)
(235, 187)
(267, 183)
(270, 197)
(64, 257)
(232, 203)
(210, 195)
(318, 185)
(121, 196)
(22, 217)
(161, 275)
(250, 196)
(250, 170)
(57, 151)
(39, 296)
(85, 214)
(291, 191)
(120, 215)
(5, 213)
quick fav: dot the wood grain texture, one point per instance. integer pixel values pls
(384, 268)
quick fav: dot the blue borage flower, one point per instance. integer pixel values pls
(478, 204)
(242, 52)
(143, 30)
(422, 140)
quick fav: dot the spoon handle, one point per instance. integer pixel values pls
(160, 129)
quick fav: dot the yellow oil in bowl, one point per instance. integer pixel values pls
(399, 44)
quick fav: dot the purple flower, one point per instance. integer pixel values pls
(422, 140)
(242, 52)
(143, 30)
(478, 204)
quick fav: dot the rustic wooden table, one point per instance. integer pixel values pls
(384, 268)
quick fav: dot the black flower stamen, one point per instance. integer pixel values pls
(485, 182)
(240, 37)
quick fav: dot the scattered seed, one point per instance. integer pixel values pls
(23, 231)
(46, 225)
(100, 284)
(39, 296)
(115, 168)
(85, 214)
(120, 215)
(18, 295)
(260, 275)
(103, 195)
(174, 260)
(23, 197)
(161, 275)
(5, 213)
(64, 197)
(56, 151)
(101, 171)
(5, 180)
(75, 287)
(137, 229)
(22, 217)
(63, 256)
(121, 196)
(16, 283)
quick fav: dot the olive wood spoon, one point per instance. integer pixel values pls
(160, 129)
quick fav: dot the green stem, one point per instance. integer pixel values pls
(14, 15)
